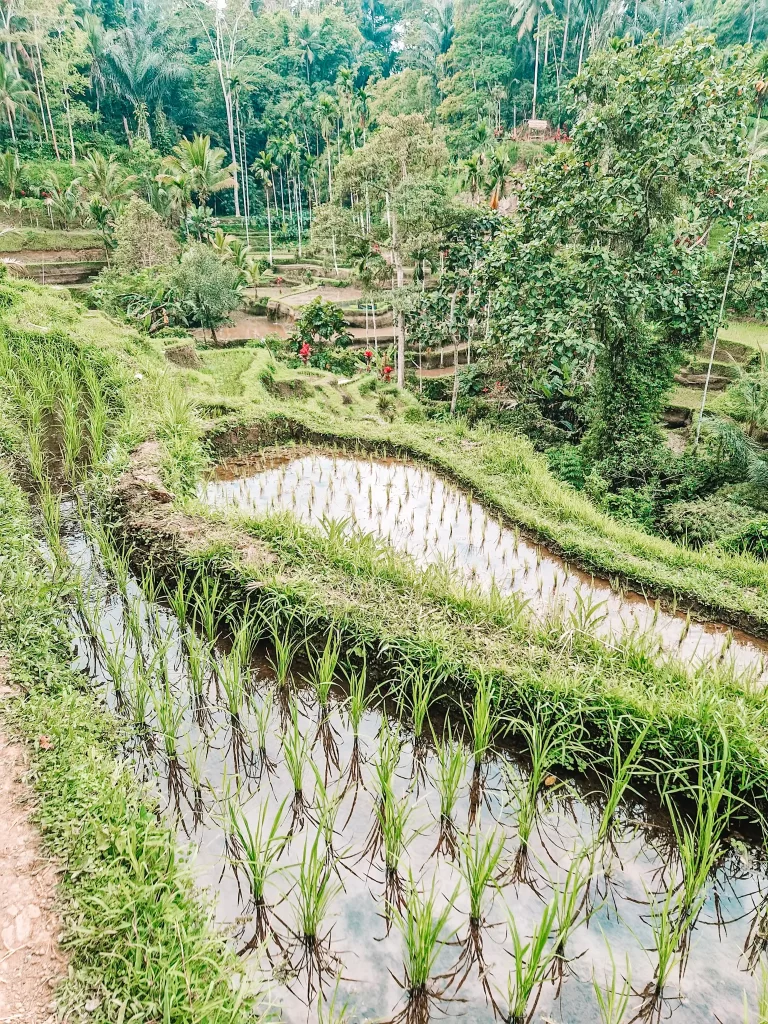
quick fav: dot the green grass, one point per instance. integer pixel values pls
(746, 332)
(140, 941)
(54, 240)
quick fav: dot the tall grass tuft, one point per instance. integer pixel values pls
(422, 925)
(260, 845)
(452, 762)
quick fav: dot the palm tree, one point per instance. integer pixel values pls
(307, 40)
(105, 179)
(140, 70)
(199, 166)
(498, 172)
(327, 114)
(438, 29)
(15, 97)
(526, 15)
(264, 168)
(96, 53)
(473, 176)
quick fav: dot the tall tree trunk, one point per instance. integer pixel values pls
(455, 333)
(583, 41)
(298, 211)
(69, 127)
(565, 31)
(45, 96)
(396, 256)
(269, 225)
(536, 71)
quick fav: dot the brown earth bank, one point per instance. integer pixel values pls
(31, 962)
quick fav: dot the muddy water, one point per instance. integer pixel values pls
(216, 762)
(431, 520)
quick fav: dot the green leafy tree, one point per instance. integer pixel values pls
(207, 286)
(603, 266)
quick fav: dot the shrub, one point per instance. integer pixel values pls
(705, 520)
(750, 539)
(142, 239)
(566, 464)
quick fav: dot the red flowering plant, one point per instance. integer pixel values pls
(386, 373)
(305, 352)
(368, 357)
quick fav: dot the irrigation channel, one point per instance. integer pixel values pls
(351, 853)
(432, 520)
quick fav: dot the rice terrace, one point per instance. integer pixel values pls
(384, 512)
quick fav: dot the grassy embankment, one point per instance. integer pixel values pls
(22, 239)
(381, 600)
(245, 386)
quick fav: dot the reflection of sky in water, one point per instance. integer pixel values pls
(431, 520)
(712, 985)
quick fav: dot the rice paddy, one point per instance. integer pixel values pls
(382, 845)
(434, 522)
(369, 849)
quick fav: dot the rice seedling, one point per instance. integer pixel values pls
(296, 756)
(260, 845)
(532, 962)
(322, 668)
(139, 698)
(612, 997)
(669, 924)
(179, 597)
(332, 1013)
(227, 815)
(393, 815)
(208, 599)
(285, 643)
(452, 760)
(422, 927)
(479, 867)
(115, 653)
(199, 666)
(624, 769)
(316, 888)
(572, 896)
(97, 416)
(169, 714)
(194, 759)
(50, 511)
(546, 745)
(72, 429)
(384, 768)
(326, 804)
(262, 719)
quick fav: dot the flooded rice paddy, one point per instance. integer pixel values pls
(432, 520)
(327, 823)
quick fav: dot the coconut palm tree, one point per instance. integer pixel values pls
(308, 41)
(199, 166)
(105, 179)
(96, 54)
(264, 167)
(473, 176)
(15, 97)
(140, 70)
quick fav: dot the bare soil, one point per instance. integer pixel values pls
(31, 962)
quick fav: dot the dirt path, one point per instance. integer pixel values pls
(30, 960)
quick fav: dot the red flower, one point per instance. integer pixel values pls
(305, 352)
(386, 372)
